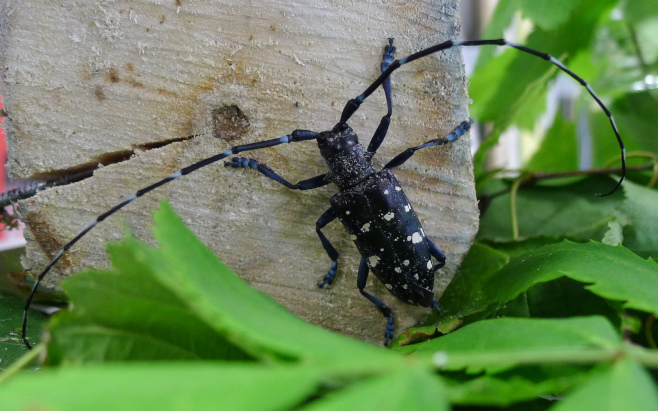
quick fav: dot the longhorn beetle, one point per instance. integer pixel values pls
(371, 204)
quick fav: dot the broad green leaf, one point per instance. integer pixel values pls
(615, 234)
(558, 150)
(163, 386)
(245, 316)
(11, 312)
(548, 14)
(11, 319)
(639, 207)
(502, 343)
(625, 385)
(560, 298)
(613, 273)
(636, 116)
(636, 10)
(406, 389)
(515, 385)
(127, 315)
(571, 211)
(180, 301)
(481, 263)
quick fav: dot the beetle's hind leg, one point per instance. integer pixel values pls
(436, 252)
(361, 284)
(327, 217)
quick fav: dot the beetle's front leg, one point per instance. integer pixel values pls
(311, 183)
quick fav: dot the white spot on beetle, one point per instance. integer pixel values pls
(416, 238)
(348, 212)
(429, 265)
(385, 191)
(407, 208)
(389, 216)
(353, 237)
(404, 286)
(398, 270)
(405, 262)
(365, 228)
(422, 232)
(408, 238)
(416, 276)
(373, 260)
(388, 286)
(397, 188)
(411, 301)
(381, 249)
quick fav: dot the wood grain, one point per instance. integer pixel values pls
(89, 83)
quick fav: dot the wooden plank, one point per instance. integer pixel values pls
(89, 82)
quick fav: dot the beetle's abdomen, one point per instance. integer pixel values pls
(385, 229)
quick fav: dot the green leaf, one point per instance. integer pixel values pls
(461, 297)
(623, 386)
(498, 344)
(11, 312)
(639, 207)
(180, 301)
(548, 14)
(613, 273)
(406, 389)
(11, 319)
(571, 211)
(163, 386)
(558, 150)
(516, 385)
(615, 234)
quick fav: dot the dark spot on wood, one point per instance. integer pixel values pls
(296, 103)
(251, 37)
(135, 83)
(178, 3)
(147, 30)
(130, 67)
(163, 18)
(272, 27)
(98, 92)
(113, 75)
(229, 123)
(3, 113)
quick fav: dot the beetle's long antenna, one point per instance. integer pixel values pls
(295, 136)
(353, 105)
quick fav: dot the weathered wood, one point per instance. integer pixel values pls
(85, 82)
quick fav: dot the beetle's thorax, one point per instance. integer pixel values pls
(347, 160)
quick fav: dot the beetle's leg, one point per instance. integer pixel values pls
(382, 129)
(311, 183)
(327, 217)
(361, 284)
(436, 253)
(406, 154)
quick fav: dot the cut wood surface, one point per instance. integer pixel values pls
(90, 83)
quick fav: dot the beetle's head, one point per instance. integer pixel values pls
(340, 139)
